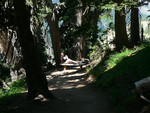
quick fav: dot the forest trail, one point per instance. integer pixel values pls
(74, 93)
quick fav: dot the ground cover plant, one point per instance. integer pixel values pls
(8, 95)
(117, 74)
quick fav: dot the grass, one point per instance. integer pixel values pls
(6, 96)
(117, 73)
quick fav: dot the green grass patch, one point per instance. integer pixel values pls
(6, 96)
(117, 73)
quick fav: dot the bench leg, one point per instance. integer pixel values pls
(80, 66)
(65, 68)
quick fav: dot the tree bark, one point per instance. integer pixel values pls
(142, 35)
(121, 38)
(135, 36)
(55, 34)
(79, 22)
(9, 45)
(36, 80)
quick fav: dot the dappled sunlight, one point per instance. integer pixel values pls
(67, 79)
(63, 72)
(73, 93)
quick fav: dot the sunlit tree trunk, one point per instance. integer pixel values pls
(36, 80)
(81, 14)
(135, 36)
(55, 35)
(80, 45)
(54, 31)
(9, 47)
(121, 38)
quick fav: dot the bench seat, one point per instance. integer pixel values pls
(73, 65)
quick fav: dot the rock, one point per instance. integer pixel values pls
(17, 74)
(14, 75)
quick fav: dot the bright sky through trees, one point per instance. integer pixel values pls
(144, 10)
(55, 1)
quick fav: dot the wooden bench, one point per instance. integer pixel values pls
(72, 65)
(143, 88)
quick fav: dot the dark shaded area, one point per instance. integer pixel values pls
(4, 74)
(119, 81)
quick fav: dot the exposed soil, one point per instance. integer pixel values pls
(75, 95)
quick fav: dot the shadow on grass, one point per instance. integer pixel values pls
(132, 68)
(119, 81)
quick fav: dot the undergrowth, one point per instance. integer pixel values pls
(6, 96)
(118, 72)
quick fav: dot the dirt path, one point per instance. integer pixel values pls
(74, 93)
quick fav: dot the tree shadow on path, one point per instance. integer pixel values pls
(74, 93)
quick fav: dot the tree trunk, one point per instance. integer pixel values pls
(121, 38)
(142, 35)
(55, 34)
(9, 46)
(80, 44)
(36, 80)
(95, 25)
(135, 37)
(83, 46)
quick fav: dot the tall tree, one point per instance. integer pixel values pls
(72, 20)
(75, 19)
(121, 38)
(36, 80)
(135, 36)
(79, 15)
(54, 30)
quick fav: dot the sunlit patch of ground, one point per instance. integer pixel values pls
(66, 79)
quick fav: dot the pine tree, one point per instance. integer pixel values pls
(36, 79)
